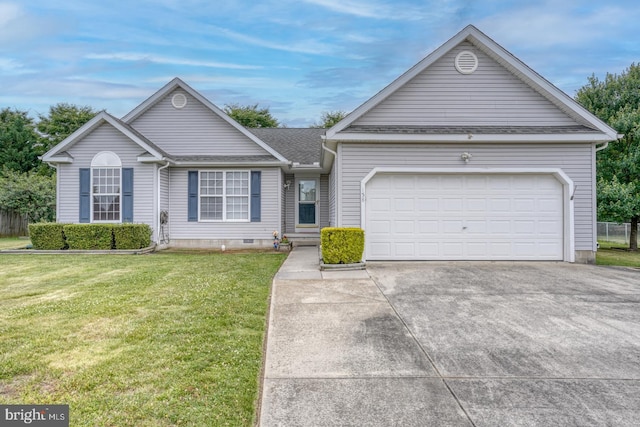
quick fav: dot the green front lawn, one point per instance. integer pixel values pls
(617, 254)
(150, 340)
(13, 243)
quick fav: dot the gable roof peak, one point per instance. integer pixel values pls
(487, 45)
(177, 82)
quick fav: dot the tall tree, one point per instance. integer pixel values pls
(63, 119)
(616, 100)
(18, 141)
(31, 195)
(330, 118)
(251, 116)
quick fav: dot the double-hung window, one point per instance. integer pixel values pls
(224, 195)
(106, 187)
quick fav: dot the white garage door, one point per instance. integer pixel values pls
(464, 217)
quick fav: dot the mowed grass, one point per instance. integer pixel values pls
(150, 340)
(611, 253)
(13, 243)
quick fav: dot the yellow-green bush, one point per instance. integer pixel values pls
(89, 236)
(47, 236)
(342, 245)
(131, 236)
(55, 236)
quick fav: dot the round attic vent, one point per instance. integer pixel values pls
(179, 100)
(466, 62)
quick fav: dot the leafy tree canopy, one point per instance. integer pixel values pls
(31, 195)
(616, 100)
(63, 119)
(18, 141)
(330, 118)
(251, 116)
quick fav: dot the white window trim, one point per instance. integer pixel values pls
(105, 160)
(106, 221)
(224, 195)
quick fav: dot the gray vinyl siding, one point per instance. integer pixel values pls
(193, 130)
(164, 189)
(181, 228)
(441, 96)
(106, 138)
(332, 197)
(357, 160)
(324, 201)
(290, 204)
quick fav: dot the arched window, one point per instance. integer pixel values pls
(106, 187)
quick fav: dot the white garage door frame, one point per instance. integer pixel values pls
(568, 190)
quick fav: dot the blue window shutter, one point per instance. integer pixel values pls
(193, 196)
(255, 196)
(127, 194)
(85, 195)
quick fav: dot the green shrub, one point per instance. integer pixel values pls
(342, 245)
(47, 235)
(131, 236)
(89, 236)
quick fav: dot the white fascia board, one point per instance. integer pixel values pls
(204, 163)
(397, 83)
(90, 126)
(542, 85)
(84, 130)
(177, 82)
(493, 49)
(58, 159)
(475, 138)
(149, 102)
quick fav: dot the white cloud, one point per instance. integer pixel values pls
(304, 46)
(9, 12)
(143, 57)
(389, 11)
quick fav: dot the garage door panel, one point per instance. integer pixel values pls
(470, 216)
(403, 227)
(428, 227)
(427, 205)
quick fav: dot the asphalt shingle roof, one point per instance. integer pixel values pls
(301, 145)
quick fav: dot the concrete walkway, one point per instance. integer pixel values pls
(338, 355)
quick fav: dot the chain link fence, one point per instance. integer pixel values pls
(612, 232)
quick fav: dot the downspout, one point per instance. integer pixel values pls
(602, 147)
(159, 204)
(336, 186)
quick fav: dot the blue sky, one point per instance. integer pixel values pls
(297, 57)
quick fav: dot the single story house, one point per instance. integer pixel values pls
(469, 155)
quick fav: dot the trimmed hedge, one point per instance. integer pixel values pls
(48, 235)
(131, 236)
(89, 236)
(342, 245)
(55, 236)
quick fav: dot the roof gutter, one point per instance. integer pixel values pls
(606, 144)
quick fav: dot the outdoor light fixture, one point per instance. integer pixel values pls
(466, 156)
(287, 185)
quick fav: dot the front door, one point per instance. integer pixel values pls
(307, 203)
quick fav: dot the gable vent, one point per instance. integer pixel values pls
(466, 62)
(178, 100)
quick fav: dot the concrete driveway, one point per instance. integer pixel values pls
(455, 344)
